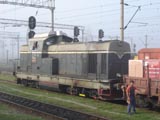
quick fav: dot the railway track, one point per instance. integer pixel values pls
(7, 81)
(56, 112)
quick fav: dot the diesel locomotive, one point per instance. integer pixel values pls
(54, 60)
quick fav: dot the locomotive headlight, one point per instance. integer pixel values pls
(48, 43)
(118, 75)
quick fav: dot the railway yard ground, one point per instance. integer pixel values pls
(8, 112)
(105, 109)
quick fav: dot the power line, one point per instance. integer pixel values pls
(103, 12)
(19, 23)
(91, 13)
(87, 8)
(92, 7)
(139, 7)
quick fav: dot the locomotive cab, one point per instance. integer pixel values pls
(34, 56)
(42, 42)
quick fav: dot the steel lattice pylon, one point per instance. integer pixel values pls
(47, 4)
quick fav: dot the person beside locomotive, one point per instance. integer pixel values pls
(131, 99)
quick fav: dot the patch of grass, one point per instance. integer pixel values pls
(105, 109)
(7, 113)
(7, 77)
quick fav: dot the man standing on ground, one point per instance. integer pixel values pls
(131, 100)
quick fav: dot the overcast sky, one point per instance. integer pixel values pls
(97, 14)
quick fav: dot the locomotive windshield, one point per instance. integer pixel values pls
(51, 41)
(57, 39)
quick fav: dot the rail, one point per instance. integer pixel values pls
(43, 108)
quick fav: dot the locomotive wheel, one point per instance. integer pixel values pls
(68, 90)
(25, 83)
(63, 88)
(72, 91)
(19, 81)
(75, 91)
(36, 85)
(93, 93)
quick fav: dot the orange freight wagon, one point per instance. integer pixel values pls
(149, 53)
(145, 73)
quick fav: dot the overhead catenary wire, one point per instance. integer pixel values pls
(97, 13)
(68, 18)
(132, 28)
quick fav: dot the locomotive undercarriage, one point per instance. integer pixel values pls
(84, 88)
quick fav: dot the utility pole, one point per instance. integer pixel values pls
(12, 49)
(7, 55)
(3, 49)
(132, 46)
(83, 35)
(122, 21)
(18, 47)
(52, 12)
(146, 41)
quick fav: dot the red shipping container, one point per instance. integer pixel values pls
(152, 66)
(145, 68)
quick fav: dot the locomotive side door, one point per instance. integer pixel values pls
(36, 55)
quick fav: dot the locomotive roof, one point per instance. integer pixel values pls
(111, 45)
